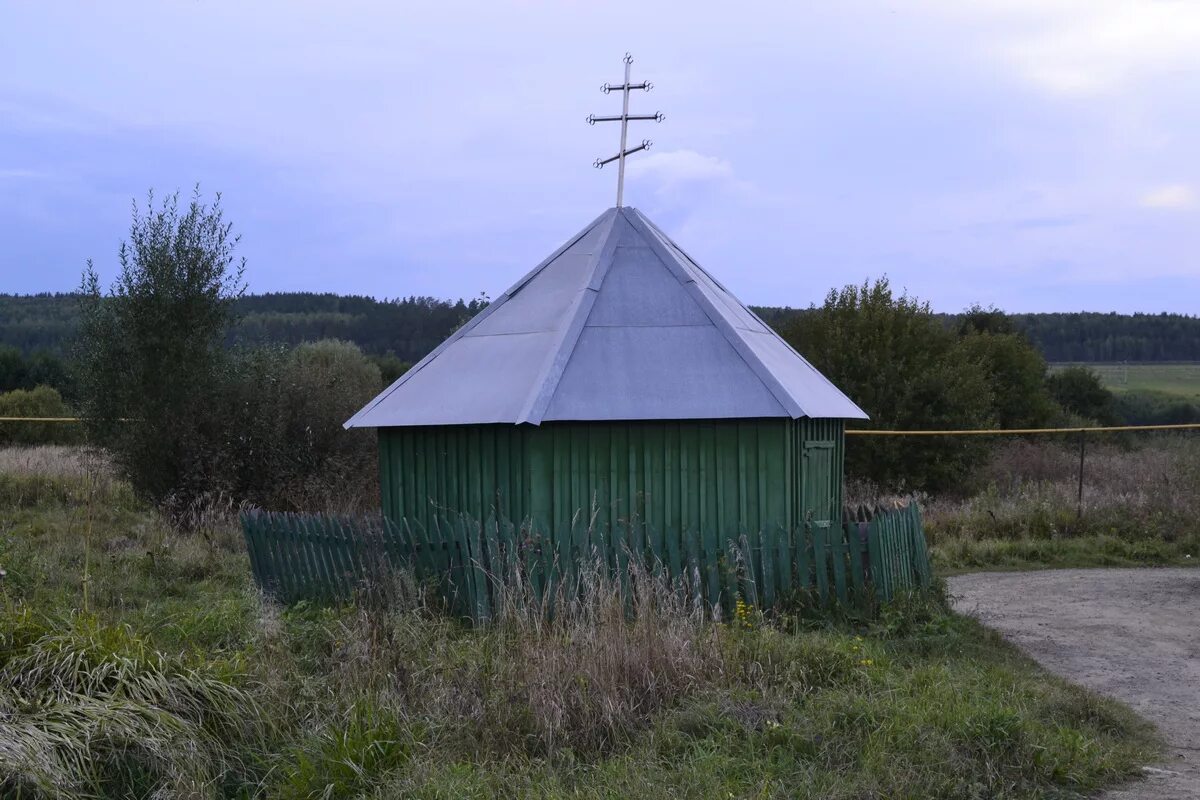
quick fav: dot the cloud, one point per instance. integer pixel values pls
(1089, 47)
(1176, 195)
(22, 174)
(674, 167)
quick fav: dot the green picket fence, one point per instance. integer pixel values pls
(873, 555)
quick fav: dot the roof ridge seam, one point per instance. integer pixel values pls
(658, 240)
(475, 321)
(551, 373)
(766, 328)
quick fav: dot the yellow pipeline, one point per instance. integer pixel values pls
(1189, 426)
(1020, 431)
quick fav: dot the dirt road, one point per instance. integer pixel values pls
(1133, 634)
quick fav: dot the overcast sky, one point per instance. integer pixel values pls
(1033, 154)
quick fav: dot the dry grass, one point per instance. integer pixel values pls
(219, 693)
(1141, 504)
(70, 462)
(65, 474)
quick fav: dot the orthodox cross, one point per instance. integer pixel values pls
(625, 88)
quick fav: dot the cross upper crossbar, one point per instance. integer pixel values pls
(624, 118)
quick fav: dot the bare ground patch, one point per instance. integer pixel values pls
(1133, 634)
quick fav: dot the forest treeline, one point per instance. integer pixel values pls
(406, 327)
(409, 327)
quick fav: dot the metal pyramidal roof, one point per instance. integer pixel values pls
(617, 324)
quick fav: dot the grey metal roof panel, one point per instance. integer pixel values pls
(479, 379)
(618, 323)
(640, 290)
(658, 372)
(388, 405)
(816, 394)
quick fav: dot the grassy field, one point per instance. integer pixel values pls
(136, 662)
(1180, 380)
(1141, 506)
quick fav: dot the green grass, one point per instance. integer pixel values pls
(1179, 380)
(1141, 507)
(958, 555)
(205, 690)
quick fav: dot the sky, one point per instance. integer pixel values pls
(1034, 155)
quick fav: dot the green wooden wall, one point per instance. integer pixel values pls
(711, 479)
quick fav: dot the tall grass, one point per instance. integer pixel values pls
(88, 710)
(184, 682)
(59, 474)
(1141, 504)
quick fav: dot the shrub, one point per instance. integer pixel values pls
(892, 356)
(150, 353)
(287, 449)
(41, 401)
(1079, 391)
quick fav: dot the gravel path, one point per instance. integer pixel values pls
(1133, 634)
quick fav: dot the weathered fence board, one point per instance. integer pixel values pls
(873, 555)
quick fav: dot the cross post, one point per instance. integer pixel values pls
(626, 87)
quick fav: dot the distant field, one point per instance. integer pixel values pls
(1180, 379)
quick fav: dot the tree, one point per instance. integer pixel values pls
(1016, 374)
(41, 401)
(978, 319)
(892, 356)
(150, 352)
(1079, 391)
(287, 449)
(14, 372)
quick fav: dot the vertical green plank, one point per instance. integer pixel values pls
(321, 533)
(480, 608)
(880, 571)
(900, 576)
(386, 484)
(712, 543)
(286, 548)
(345, 540)
(272, 539)
(675, 477)
(339, 585)
(561, 512)
(269, 537)
(595, 477)
(542, 456)
(298, 534)
(418, 538)
(507, 537)
(802, 545)
(353, 543)
(820, 560)
(636, 491)
(748, 557)
(922, 546)
(839, 555)
(305, 583)
(886, 572)
(857, 573)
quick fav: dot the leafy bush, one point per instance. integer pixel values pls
(150, 353)
(41, 401)
(39, 369)
(895, 359)
(285, 410)
(187, 420)
(1079, 391)
(1155, 408)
